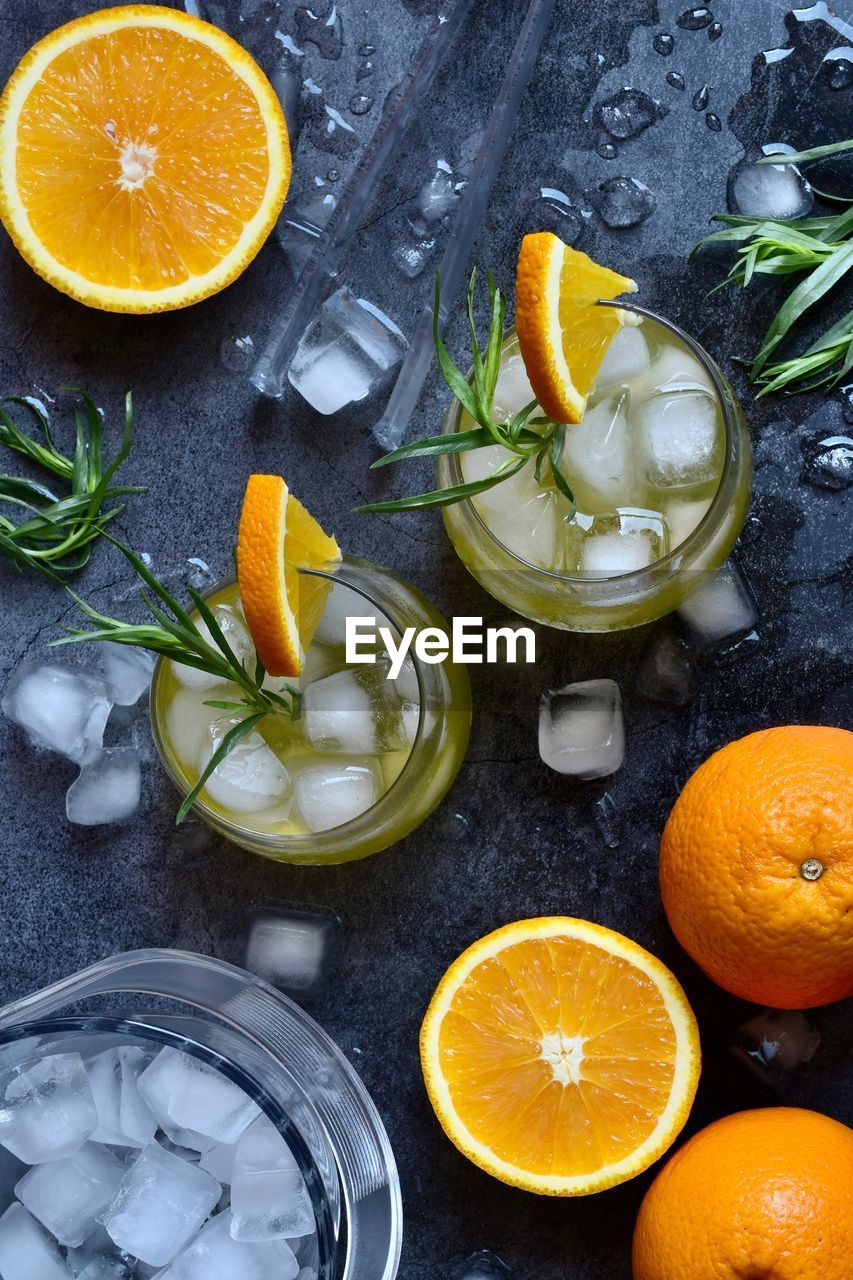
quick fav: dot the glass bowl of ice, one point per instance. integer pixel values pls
(226, 1140)
(370, 754)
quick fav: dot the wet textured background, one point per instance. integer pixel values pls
(512, 839)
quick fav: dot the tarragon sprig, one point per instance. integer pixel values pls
(178, 637)
(542, 446)
(58, 529)
(820, 251)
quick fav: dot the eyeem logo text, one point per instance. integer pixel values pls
(469, 642)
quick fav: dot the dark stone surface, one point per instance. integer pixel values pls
(512, 839)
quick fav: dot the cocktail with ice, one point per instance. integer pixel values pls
(361, 764)
(659, 467)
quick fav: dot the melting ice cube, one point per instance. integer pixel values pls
(435, 200)
(127, 672)
(124, 1117)
(183, 1091)
(777, 191)
(60, 707)
(343, 602)
(26, 1250)
(625, 543)
(328, 796)
(676, 369)
(67, 1195)
(48, 1111)
(353, 712)
(626, 359)
(160, 1204)
(106, 790)
(721, 608)
(214, 1255)
(250, 778)
(348, 348)
(679, 440)
(597, 458)
(269, 1199)
(291, 948)
(665, 673)
(533, 530)
(580, 729)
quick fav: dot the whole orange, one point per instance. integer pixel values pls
(759, 1195)
(756, 866)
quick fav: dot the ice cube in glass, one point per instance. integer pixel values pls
(679, 439)
(124, 1117)
(250, 778)
(581, 731)
(597, 458)
(329, 795)
(48, 1111)
(626, 359)
(353, 712)
(269, 1199)
(26, 1250)
(183, 1091)
(233, 627)
(625, 542)
(67, 1195)
(214, 1255)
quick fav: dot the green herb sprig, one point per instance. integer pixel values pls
(543, 446)
(820, 251)
(179, 638)
(55, 536)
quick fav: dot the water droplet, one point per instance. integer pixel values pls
(330, 132)
(597, 61)
(237, 354)
(715, 31)
(607, 151)
(333, 175)
(323, 30)
(200, 576)
(663, 44)
(828, 463)
(360, 104)
(713, 122)
(367, 50)
(608, 819)
(628, 113)
(701, 98)
(290, 44)
(837, 68)
(676, 79)
(776, 191)
(737, 650)
(694, 19)
(365, 71)
(624, 202)
(846, 396)
(751, 532)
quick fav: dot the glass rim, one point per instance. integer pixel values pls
(303, 840)
(695, 537)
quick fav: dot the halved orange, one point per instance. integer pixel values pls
(282, 606)
(562, 333)
(560, 1056)
(144, 158)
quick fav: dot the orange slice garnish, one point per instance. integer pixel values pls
(562, 333)
(144, 158)
(560, 1056)
(277, 538)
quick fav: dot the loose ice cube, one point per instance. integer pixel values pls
(665, 673)
(48, 1111)
(183, 1091)
(127, 672)
(721, 608)
(777, 191)
(124, 1117)
(67, 1195)
(679, 440)
(353, 712)
(62, 708)
(328, 796)
(107, 790)
(343, 602)
(214, 1255)
(292, 949)
(435, 200)
(482, 1265)
(626, 359)
(597, 458)
(160, 1205)
(26, 1251)
(269, 1199)
(580, 729)
(233, 627)
(625, 543)
(347, 348)
(250, 778)
(512, 390)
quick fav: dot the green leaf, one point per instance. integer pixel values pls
(446, 497)
(806, 294)
(454, 378)
(447, 442)
(813, 153)
(231, 739)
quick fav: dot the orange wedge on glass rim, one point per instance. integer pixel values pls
(563, 334)
(282, 606)
(144, 158)
(560, 1056)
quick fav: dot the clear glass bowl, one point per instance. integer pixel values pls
(269, 1047)
(437, 752)
(622, 600)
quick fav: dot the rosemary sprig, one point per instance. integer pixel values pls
(820, 251)
(543, 446)
(179, 638)
(57, 532)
